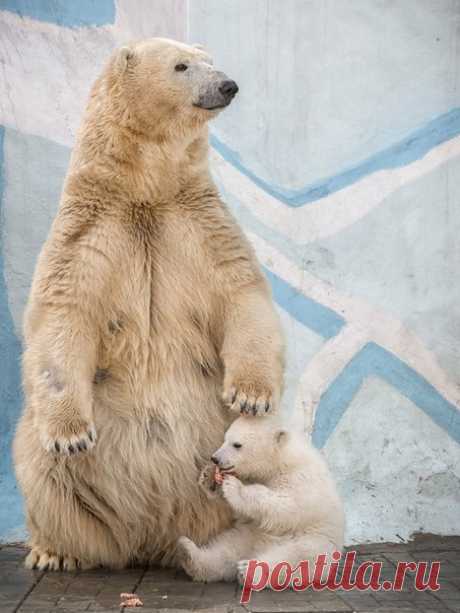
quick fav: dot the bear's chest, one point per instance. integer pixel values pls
(165, 292)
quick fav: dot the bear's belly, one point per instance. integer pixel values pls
(158, 414)
(159, 417)
(155, 457)
(167, 404)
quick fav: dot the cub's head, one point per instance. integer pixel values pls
(170, 84)
(252, 448)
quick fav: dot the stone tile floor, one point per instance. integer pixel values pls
(170, 591)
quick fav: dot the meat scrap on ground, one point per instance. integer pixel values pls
(130, 600)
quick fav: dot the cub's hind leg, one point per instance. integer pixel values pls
(216, 561)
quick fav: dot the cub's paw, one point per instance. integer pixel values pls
(207, 481)
(249, 399)
(42, 559)
(231, 490)
(185, 548)
(70, 437)
(241, 571)
(186, 556)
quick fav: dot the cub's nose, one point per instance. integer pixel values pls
(228, 89)
(214, 459)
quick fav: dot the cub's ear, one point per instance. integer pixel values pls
(198, 46)
(124, 58)
(281, 436)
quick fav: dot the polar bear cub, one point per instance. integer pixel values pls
(284, 500)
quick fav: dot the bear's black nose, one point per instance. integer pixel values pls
(214, 459)
(228, 88)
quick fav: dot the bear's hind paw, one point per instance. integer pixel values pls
(41, 559)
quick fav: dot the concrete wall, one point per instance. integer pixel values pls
(341, 159)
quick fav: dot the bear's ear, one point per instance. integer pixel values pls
(281, 436)
(202, 48)
(124, 58)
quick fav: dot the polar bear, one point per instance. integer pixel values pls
(149, 325)
(283, 497)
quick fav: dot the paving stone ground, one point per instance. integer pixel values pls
(170, 591)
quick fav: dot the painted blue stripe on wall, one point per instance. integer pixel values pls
(371, 360)
(314, 315)
(11, 517)
(411, 148)
(64, 12)
(375, 360)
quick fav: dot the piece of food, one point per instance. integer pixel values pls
(218, 476)
(130, 600)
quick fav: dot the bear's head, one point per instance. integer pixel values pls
(253, 448)
(167, 86)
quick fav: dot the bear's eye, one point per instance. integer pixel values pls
(180, 67)
(237, 445)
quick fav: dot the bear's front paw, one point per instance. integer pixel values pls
(249, 398)
(69, 437)
(231, 490)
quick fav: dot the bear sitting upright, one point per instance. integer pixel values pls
(148, 319)
(284, 500)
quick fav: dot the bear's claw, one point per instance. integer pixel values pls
(79, 438)
(41, 559)
(246, 404)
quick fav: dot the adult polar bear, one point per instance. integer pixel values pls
(146, 310)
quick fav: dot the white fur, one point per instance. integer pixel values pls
(283, 498)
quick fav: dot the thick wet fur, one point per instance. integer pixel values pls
(147, 308)
(283, 497)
